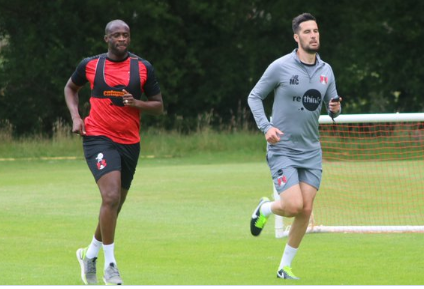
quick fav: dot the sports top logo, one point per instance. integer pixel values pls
(294, 80)
(323, 79)
(113, 93)
(311, 99)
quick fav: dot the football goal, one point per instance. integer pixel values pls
(373, 176)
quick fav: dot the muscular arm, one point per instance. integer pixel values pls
(154, 104)
(72, 101)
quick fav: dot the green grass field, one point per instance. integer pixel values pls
(185, 222)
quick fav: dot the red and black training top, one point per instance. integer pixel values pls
(108, 115)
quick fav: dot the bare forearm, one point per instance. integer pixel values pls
(71, 98)
(154, 104)
(72, 103)
(151, 107)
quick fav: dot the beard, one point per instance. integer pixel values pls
(308, 49)
(119, 51)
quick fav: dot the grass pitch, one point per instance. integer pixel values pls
(185, 222)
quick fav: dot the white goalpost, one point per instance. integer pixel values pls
(373, 176)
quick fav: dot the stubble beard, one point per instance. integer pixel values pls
(120, 53)
(308, 49)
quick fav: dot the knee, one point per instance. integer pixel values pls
(294, 209)
(111, 198)
(307, 211)
(290, 208)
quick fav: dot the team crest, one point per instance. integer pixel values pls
(101, 163)
(323, 79)
(282, 180)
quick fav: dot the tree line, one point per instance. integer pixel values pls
(207, 55)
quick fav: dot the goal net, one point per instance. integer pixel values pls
(373, 176)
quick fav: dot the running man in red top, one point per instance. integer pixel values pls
(111, 138)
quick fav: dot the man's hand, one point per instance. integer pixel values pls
(334, 104)
(128, 99)
(273, 135)
(78, 126)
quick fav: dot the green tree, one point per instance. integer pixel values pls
(207, 55)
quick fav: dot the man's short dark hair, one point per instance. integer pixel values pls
(299, 19)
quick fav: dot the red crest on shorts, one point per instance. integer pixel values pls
(101, 163)
(282, 181)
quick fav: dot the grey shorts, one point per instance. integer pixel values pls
(289, 170)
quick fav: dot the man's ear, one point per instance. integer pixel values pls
(296, 38)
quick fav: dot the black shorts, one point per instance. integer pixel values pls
(104, 156)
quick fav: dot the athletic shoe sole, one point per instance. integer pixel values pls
(81, 262)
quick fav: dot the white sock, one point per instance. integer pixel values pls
(288, 255)
(266, 209)
(93, 248)
(109, 251)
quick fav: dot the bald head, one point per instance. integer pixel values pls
(115, 23)
(118, 39)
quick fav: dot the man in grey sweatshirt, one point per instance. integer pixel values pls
(302, 84)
